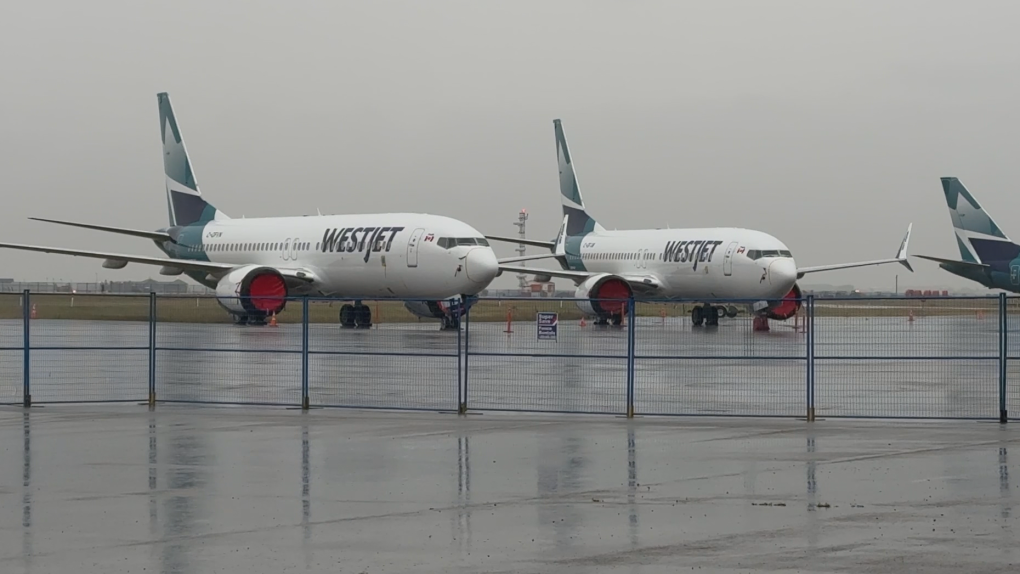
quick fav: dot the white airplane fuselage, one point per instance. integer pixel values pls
(354, 256)
(697, 264)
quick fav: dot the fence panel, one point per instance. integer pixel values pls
(202, 356)
(89, 348)
(729, 369)
(402, 361)
(510, 367)
(907, 357)
(1012, 398)
(12, 353)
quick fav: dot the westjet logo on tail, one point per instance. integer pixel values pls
(354, 239)
(683, 251)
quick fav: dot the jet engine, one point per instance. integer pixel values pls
(787, 306)
(603, 296)
(252, 290)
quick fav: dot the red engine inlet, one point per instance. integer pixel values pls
(787, 307)
(267, 292)
(611, 289)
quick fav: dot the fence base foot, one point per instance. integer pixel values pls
(1003, 417)
(305, 404)
(630, 412)
(462, 409)
(27, 402)
(811, 415)
(152, 400)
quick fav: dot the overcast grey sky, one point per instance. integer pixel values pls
(826, 124)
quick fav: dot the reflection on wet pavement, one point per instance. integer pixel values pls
(192, 490)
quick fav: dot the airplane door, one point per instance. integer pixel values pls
(727, 264)
(288, 252)
(412, 247)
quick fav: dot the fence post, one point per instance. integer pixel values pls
(26, 315)
(152, 349)
(811, 358)
(462, 391)
(1003, 357)
(631, 316)
(305, 402)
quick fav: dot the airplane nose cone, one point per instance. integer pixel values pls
(783, 273)
(482, 265)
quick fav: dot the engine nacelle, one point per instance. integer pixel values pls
(252, 290)
(603, 295)
(436, 309)
(786, 307)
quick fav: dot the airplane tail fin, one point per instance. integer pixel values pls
(570, 194)
(977, 236)
(184, 200)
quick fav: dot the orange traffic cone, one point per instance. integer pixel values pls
(583, 322)
(33, 315)
(272, 320)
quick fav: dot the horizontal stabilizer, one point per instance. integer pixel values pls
(532, 242)
(969, 264)
(153, 235)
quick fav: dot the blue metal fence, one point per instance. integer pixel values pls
(896, 357)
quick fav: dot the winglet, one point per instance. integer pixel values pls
(901, 254)
(560, 246)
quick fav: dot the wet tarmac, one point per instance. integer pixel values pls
(188, 489)
(937, 366)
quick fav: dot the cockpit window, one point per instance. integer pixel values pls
(759, 253)
(450, 242)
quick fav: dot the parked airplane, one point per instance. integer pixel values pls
(988, 256)
(694, 264)
(254, 263)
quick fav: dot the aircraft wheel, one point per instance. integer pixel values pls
(363, 315)
(696, 316)
(711, 315)
(347, 315)
(731, 311)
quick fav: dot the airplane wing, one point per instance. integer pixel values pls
(970, 264)
(526, 258)
(183, 264)
(154, 235)
(640, 283)
(901, 258)
(531, 242)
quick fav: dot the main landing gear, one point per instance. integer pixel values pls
(256, 320)
(616, 319)
(709, 315)
(357, 315)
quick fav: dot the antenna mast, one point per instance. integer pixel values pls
(521, 223)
